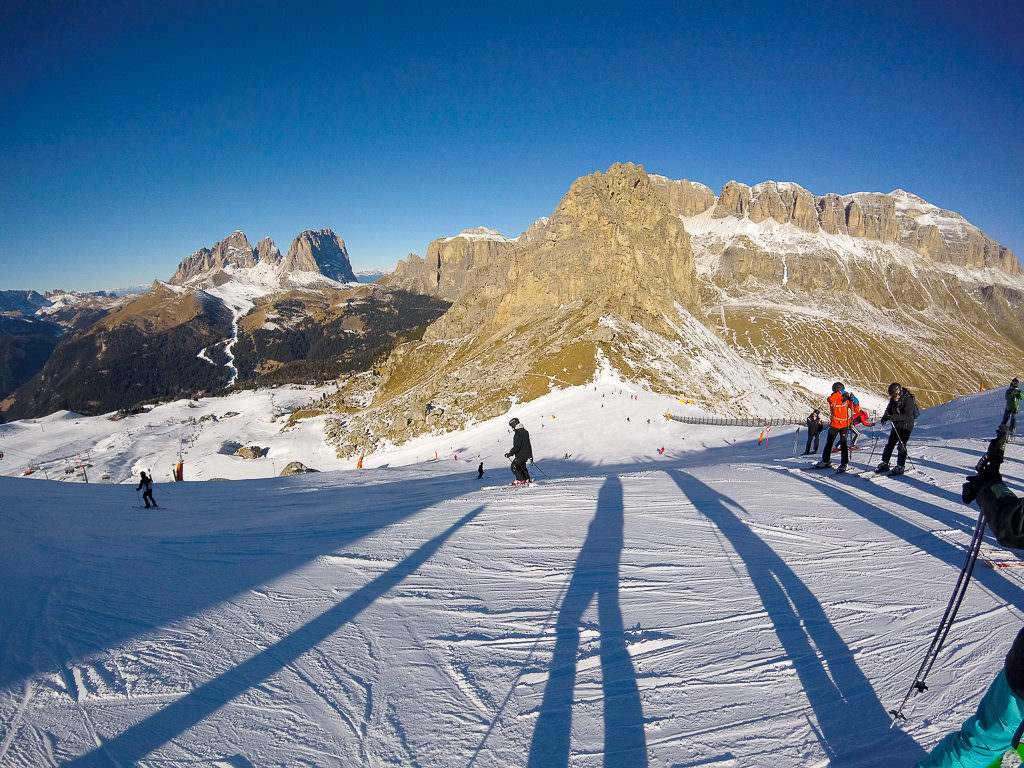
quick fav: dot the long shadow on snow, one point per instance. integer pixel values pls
(934, 490)
(955, 519)
(921, 537)
(596, 575)
(139, 570)
(854, 726)
(142, 738)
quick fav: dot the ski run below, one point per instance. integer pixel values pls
(710, 606)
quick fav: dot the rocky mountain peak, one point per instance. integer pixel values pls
(899, 217)
(267, 252)
(233, 251)
(320, 251)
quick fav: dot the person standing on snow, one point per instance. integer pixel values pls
(1013, 398)
(997, 724)
(838, 427)
(902, 411)
(521, 452)
(859, 417)
(145, 481)
(814, 427)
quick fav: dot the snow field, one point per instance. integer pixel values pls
(717, 606)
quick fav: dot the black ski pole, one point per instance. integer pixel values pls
(535, 464)
(904, 446)
(946, 623)
(988, 465)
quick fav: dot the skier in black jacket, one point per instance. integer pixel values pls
(814, 427)
(145, 481)
(997, 724)
(521, 451)
(902, 411)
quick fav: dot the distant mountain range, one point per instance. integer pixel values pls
(748, 301)
(232, 313)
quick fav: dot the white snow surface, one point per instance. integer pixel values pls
(712, 606)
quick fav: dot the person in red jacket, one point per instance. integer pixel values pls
(839, 407)
(858, 417)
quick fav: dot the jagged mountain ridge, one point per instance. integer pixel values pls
(723, 299)
(315, 252)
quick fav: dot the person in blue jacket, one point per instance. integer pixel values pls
(998, 723)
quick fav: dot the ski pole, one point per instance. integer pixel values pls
(947, 620)
(904, 446)
(988, 464)
(874, 446)
(535, 464)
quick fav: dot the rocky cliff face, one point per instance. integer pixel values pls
(315, 251)
(608, 279)
(443, 272)
(874, 287)
(232, 251)
(319, 251)
(897, 217)
(724, 299)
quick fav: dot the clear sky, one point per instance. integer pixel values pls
(133, 133)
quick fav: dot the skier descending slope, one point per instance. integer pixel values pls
(999, 721)
(521, 452)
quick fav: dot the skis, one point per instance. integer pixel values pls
(835, 470)
(508, 486)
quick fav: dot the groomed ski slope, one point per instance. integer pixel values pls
(715, 606)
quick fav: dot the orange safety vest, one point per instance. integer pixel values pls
(840, 411)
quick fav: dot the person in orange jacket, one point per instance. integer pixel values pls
(839, 407)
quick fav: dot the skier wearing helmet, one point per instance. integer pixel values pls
(902, 411)
(839, 426)
(521, 452)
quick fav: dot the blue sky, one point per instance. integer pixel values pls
(132, 134)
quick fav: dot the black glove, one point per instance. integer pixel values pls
(507, 455)
(975, 483)
(883, 419)
(987, 468)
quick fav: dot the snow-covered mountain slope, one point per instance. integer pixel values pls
(712, 605)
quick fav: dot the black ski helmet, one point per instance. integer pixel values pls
(1014, 383)
(894, 388)
(837, 387)
(513, 422)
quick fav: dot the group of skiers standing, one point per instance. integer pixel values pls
(845, 414)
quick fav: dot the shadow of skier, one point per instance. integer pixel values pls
(596, 575)
(852, 723)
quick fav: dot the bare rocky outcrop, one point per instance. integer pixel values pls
(684, 197)
(539, 311)
(249, 452)
(233, 251)
(688, 292)
(443, 272)
(296, 468)
(319, 251)
(897, 217)
(267, 252)
(734, 200)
